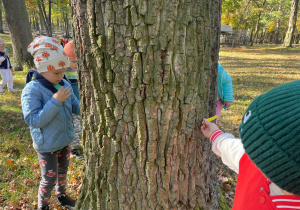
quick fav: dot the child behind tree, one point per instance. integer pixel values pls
(224, 90)
(267, 157)
(71, 75)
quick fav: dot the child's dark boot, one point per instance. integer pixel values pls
(66, 201)
(76, 154)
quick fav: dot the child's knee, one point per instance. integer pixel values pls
(49, 181)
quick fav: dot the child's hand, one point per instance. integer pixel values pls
(12, 70)
(227, 104)
(208, 128)
(6, 55)
(62, 94)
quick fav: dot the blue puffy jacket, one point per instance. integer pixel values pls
(50, 121)
(224, 88)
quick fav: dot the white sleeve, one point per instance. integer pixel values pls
(229, 149)
(2, 58)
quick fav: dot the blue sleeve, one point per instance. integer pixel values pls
(227, 87)
(75, 102)
(75, 105)
(36, 114)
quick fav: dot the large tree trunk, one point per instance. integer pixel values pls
(146, 70)
(18, 24)
(288, 40)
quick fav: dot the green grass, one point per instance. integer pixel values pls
(254, 70)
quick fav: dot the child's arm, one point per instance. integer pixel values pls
(227, 89)
(224, 145)
(75, 105)
(2, 58)
(35, 113)
(75, 102)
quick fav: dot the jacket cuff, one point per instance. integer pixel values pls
(55, 101)
(214, 135)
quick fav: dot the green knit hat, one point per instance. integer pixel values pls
(270, 132)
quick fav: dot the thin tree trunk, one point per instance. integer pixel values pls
(276, 38)
(262, 37)
(66, 19)
(46, 19)
(20, 32)
(57, 22)
(145, 77)
(257, 24)
(50, 17)
(42, 21)
(240, 21)
(288, 41)
(1, 21)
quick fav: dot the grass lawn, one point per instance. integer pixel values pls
(254, 70)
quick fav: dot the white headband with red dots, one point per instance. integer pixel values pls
(48, 54)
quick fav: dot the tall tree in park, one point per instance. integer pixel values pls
(257, 23)
(146, 70)
(288, 40)
(1, 21)
(18, 24)
(45, 18)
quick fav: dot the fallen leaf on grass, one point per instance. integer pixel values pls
(9, 162)
(74, 179)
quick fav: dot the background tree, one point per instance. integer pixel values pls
(264, 25)
(257, 26)
(45, 18)
(292, 24)
(1, 16)
(145, 82)
(56, 14)
(62, 11)
(18, 24)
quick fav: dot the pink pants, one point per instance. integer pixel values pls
(219, 109)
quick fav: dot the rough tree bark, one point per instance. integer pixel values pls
(146, 70)
(18, 24)
(288, 40)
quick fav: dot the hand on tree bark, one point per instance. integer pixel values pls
(208, 128)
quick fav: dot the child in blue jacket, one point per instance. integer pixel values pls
(47, 104)
(224, 90)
